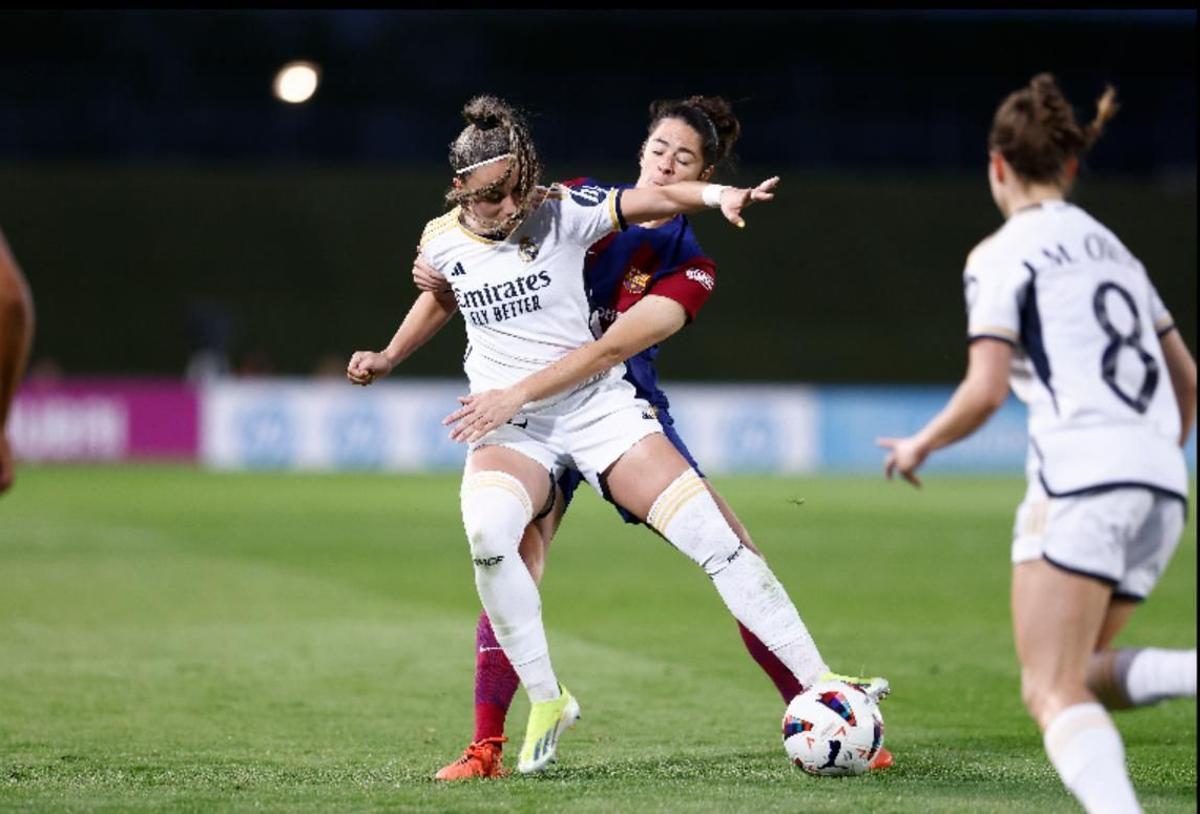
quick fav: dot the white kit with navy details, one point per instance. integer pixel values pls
(522, 298)
(1107, 477)
(1085, 320)
(525, 306)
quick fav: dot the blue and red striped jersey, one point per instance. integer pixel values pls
(623, 267)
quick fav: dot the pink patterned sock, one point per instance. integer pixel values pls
(496, 682)
(787, 684)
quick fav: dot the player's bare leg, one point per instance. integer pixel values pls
(1057, 619)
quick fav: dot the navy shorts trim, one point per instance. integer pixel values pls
(1079, 572)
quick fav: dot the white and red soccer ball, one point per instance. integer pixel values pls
(832, 728)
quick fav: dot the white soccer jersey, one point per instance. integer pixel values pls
(522, 298)
(1085, 320)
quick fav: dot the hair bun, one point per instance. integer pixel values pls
(485, 112)
(484, 121)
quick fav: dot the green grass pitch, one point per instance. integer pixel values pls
(175, 640)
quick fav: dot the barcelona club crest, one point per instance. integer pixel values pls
(636, 281)
(527, 249)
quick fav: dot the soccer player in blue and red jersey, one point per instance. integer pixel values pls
(655, 277)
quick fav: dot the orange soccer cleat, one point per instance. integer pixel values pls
(481, 759)
(882, 760)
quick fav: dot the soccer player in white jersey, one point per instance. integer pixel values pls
(513, 253)
(644, 285)
(1061, 309)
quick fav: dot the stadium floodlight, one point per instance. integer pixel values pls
(296, 82)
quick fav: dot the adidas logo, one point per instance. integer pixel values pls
(458, 270)
(545, 743)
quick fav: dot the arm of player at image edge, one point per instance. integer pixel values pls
(980, 394)
(1182, 369)
(647, 323)
(428, 315)
(16, 336)
(642, 204)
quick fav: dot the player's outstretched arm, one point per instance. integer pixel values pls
(979, 395)
(428, 315)
(16, 336)
(1182, 368)
(647, 323)
(643, 204)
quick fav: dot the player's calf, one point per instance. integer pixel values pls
(1128, 678)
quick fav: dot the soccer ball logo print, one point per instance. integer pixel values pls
(832, 729)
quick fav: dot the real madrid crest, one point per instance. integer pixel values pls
(636, 280)
(527, 249)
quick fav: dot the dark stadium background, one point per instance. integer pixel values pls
(159, 198)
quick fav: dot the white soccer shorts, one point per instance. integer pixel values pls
(1124, 537)
(588, 430)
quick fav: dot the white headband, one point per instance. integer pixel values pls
(712, 127)
(484, 163)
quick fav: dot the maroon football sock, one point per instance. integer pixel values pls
(496, 682)
(787, 684)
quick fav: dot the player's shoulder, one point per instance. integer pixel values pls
(996, 251)
(977, 252)
(439, 230)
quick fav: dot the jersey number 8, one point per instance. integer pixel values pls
(1118, 340)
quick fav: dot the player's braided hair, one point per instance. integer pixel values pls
(710, 116)
(1036, 132)
(494, 129)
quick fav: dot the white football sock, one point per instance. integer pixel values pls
(1152, 674)
(686, 514)
(1087, 752)
(495, 509)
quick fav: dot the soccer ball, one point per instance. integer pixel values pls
(832, 728)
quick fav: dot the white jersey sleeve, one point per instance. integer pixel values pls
(588, 213)
(1159, 315)
(993, 293)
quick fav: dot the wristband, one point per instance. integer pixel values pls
(712, 195)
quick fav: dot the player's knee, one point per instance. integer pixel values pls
(495, 510)
(686, 514)
(1046, 695)
(1037, 693)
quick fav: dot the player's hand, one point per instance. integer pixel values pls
(735, 199)
(905, 455)
(366, 366)
(427, 278)
(483, 412)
